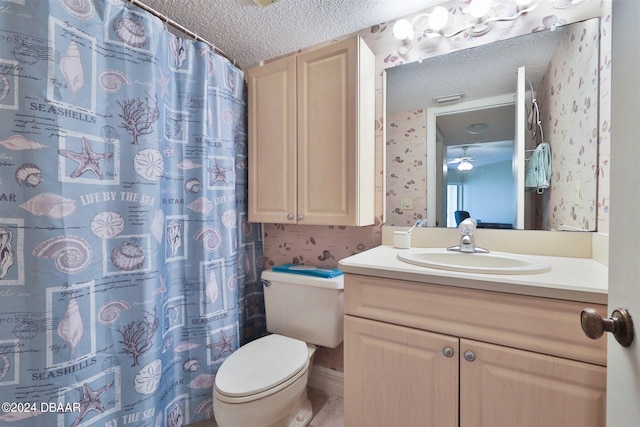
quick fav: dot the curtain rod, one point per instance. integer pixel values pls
(181, 28)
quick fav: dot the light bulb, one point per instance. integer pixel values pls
(402, 30)
(438, 18)
(479, 8)
(464, 166)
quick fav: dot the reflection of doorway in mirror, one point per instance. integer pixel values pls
(487, 191)
(490, 192)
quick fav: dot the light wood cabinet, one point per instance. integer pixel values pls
(398, 376)
(427, 355)
(311, 137)
(503, 386)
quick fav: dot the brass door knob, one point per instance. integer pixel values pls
(620, 324)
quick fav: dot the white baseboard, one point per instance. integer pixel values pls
(327, 380)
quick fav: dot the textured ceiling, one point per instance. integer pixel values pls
(250, 34)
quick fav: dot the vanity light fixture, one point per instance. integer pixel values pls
(479, 8)
(438, 18)
(477, 19)
(403, 31)
(433, 24)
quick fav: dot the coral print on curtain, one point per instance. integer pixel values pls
(128, 270)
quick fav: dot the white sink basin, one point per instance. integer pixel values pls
(488, 263)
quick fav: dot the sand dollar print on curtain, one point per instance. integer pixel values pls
(128, 271)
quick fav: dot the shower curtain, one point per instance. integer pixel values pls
(128, 270)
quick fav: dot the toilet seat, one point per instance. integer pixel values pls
(261, 368)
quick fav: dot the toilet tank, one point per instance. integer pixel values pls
(304, 307)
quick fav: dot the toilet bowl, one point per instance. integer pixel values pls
(264, 384)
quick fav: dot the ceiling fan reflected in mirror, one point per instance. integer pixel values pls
(464, 162)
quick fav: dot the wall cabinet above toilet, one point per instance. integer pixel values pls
(311, 137)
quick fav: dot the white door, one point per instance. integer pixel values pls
(623, 364)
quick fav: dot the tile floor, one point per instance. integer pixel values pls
(328, 410)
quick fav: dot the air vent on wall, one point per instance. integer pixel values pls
(264, 3)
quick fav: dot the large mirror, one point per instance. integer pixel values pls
(465, 129)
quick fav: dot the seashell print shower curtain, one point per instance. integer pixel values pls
(128, 270)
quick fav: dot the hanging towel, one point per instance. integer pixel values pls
(538, 169)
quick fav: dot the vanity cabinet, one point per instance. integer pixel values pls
(311, 137)
(418, 355)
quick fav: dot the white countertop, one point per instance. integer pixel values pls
(573, 279)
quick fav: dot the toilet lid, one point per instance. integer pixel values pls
(261, 365)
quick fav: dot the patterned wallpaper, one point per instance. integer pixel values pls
(406, 166)
(567, 128)
(323, 245)
(318, 245)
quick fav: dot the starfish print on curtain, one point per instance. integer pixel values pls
(218, 173)
(87, 160)
(224, 345)
(90, 402)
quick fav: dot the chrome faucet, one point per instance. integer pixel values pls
(467, 244)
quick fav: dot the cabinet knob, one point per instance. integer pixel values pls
(620, 324)
(299, 217)
(448, 351)
(290, 217)
(469, 356)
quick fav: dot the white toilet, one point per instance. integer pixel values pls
(264, 383)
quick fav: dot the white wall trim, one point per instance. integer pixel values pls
(327, 380)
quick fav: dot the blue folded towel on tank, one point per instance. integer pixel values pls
(308, 270)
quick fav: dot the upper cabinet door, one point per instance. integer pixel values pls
(272, 142)
(336, 134)
(312, 137)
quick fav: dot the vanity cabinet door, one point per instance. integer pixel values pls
(505, 387)
(399, 376)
